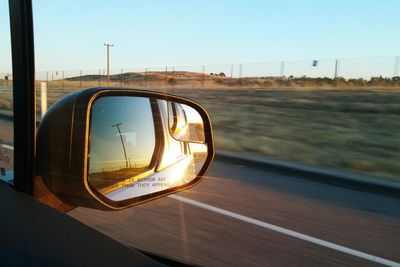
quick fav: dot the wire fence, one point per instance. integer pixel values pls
(363, 69)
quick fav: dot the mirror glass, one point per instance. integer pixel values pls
(133, 152)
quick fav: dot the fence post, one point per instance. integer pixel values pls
(203, 70)
(43, 98)
(145, 78)
(80, 79)
(336, 68)
(63, 79)
(99, 78)
(396, 71)
(6, 77)
(120, 80)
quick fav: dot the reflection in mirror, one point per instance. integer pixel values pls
(133, 152)
(185, 123)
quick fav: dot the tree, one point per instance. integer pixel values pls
(222, 74)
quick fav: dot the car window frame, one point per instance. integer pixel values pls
(24, 102)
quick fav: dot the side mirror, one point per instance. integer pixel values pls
(114, 148)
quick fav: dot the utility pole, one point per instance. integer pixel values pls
(336, 68)
(122, 141)
(108, 61)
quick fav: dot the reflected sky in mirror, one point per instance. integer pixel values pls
(118, 125)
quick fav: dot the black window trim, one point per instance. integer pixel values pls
(23, 65)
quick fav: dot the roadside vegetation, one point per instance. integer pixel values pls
(352, 130)
(350, 125)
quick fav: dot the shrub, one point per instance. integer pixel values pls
(172, 81)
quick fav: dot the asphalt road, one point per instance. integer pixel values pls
(248, 217)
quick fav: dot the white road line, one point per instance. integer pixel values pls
(288, 232)
(7, 146)
(281, 230)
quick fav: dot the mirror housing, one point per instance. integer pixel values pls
(63, 148)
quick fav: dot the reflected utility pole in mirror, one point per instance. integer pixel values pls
(122, 141)
(108, 61)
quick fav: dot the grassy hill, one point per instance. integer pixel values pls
(196, 79)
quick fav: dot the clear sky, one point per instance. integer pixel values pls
(69, 34)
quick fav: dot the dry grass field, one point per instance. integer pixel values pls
(356, 129)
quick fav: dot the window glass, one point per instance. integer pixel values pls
(6, 98)
(298, 85)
